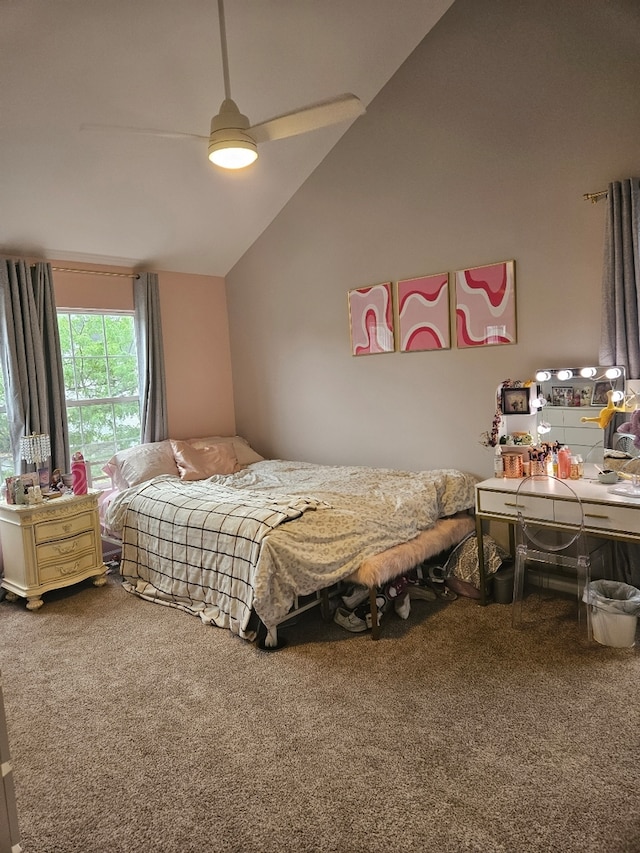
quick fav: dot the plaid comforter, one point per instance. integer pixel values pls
(255, 540)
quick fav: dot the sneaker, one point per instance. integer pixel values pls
(402, 606)
(421, 592)
(397, 587)
(420, 587)
(357, 595)
(349, 620)
(364, 610)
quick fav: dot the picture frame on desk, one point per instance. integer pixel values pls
(599, 395)
(561, 395)
(515, 401)
(22, 481)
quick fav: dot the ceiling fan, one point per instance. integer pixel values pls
(233, 142)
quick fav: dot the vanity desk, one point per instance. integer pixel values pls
(606, 515)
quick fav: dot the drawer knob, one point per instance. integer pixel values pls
(66, 527)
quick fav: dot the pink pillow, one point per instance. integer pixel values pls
(199, 463)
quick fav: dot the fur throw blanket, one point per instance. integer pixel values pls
(383, 567)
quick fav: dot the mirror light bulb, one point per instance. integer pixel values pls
(588, 372)
(617, 397)
(613, 373)
(543, 376)
(563, 375)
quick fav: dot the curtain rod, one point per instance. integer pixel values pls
(594, 198)
(97, 272)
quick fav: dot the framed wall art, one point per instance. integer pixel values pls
(371, 319)
(423, 313)
(486, 305)
(515, 401)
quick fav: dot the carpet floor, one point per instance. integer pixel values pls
(134, 727)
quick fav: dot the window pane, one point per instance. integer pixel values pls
(6, 456)
(127, 424)
(123, 376)
(65, 335)
(87, 331)
(91, 375)
(119, 335)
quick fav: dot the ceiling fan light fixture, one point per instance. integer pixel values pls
(233, 154)
(231, 145)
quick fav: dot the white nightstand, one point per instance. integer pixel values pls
(50, 545)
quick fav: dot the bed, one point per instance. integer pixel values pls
(242, 547)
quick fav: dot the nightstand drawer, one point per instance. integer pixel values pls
(48, 530)
(67, 568)
(66, 548)
(501, 503)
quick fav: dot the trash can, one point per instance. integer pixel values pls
(614, 612)
(503, 585)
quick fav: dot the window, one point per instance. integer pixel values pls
(6, 454)
(100, 364)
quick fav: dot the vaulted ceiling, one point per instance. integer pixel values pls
(136, 199)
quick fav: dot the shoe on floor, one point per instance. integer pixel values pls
(348, 620)
(402, 606)
(357, 595)
(422, 592)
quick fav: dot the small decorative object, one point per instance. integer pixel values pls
(423, 313)
(605, 414)
(79, 473)
(371, 319)
(513, 465)
(515, 401)
(633, 427)
(486, 305)
(561, 395)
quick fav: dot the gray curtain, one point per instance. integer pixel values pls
(620, 337)
(153, 397)
(32, 363)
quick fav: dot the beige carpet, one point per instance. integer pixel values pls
(133, 727)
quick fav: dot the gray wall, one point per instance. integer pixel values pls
(478, 150)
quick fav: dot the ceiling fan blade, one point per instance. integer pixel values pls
(142, 131)
(321, 114)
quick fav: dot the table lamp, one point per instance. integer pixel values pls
(36, 448)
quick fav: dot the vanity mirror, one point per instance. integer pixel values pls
(569, 402)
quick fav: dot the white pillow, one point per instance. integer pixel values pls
(140, 463)
(245, 454)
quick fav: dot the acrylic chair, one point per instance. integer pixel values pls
(549, 531)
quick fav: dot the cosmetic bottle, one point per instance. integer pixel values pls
(498, 464)
(564, 463)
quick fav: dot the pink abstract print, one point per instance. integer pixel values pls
(423, 313)
(371, 317)
(485, 305)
